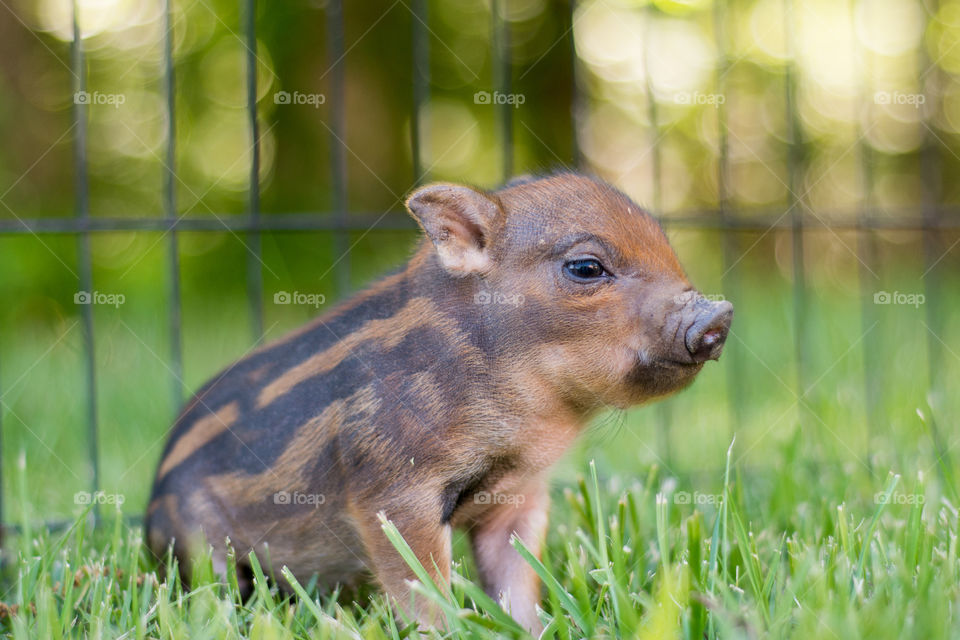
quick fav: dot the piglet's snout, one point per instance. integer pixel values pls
(708, 331)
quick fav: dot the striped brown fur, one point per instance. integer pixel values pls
(463, 375)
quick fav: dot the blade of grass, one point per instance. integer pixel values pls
(865, 546)
(323, 619)
(551, 582)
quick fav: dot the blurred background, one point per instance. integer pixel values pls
(169, 170)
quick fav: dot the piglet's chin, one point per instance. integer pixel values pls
(653, 378)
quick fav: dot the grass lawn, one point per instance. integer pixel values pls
(643, 560)
(752, 505)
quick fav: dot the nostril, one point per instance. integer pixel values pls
(712, 337)
(708, 345)
(706, 336)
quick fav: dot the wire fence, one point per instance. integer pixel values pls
(930, 218)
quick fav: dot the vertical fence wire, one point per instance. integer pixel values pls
(932, 172)
(338, 143)
(663, 410)
(2, 485)
(576, 90)
(795, 207)
(932, 184)
(866, 242)
(170, 211)
(502, 79)
(253, 238)
(730, 281)
(421, 86)
(84, 258)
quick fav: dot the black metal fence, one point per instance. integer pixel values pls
(931, 217)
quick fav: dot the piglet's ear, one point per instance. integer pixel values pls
(461, 223)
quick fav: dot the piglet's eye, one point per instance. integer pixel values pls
(584, 269)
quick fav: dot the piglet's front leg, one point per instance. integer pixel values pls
(506, 576)
(430, 542)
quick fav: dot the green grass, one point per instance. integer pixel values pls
(790, 560)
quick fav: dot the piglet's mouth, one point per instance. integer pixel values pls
(646, 360)
(676, 364)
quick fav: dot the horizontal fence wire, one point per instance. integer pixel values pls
(941, 218)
